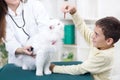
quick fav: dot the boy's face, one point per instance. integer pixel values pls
(99, 40)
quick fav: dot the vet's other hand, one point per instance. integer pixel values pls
(67, 8)
(25, 50)
(51, 67)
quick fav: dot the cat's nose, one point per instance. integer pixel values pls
(53, 42)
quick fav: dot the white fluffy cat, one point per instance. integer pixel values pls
(46, 44)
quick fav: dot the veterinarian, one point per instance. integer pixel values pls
(22, 20)
(100, 60)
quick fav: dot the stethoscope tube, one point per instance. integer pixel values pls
(22, 27)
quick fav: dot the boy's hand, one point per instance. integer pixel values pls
(51, 67)
(67, 8)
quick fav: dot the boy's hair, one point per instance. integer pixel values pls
(110, 27)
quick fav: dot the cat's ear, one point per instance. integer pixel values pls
(51, 27)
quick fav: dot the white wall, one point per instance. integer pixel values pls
(109, 8)
(87, 8)
(51, 7)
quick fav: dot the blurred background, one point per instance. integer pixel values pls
(75, 48)
(90, 11)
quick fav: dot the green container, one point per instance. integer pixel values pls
(69, 34)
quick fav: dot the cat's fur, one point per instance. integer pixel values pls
(46, 44)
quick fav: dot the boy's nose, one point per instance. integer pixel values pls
(93, 36)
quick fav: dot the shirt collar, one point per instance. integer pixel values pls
(18, 10)
(104, 51)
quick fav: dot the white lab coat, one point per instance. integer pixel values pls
(36, 19)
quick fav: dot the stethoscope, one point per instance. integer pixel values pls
(22, 27)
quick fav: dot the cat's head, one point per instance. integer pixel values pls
(56, 26)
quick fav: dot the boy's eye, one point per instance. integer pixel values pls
(96, 34)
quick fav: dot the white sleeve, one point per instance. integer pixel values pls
(11, 43)
(83, 28)
(94, 65)
(40, 14)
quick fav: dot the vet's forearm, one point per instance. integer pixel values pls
(19, 51)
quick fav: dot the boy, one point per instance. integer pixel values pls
(100, 60)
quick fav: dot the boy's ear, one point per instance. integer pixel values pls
(109, 41)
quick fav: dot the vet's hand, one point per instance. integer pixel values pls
(67, 8)
(51, 67)
(25, 50)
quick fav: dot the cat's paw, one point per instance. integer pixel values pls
(39, 73)
(47, 72)
(24, 67)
